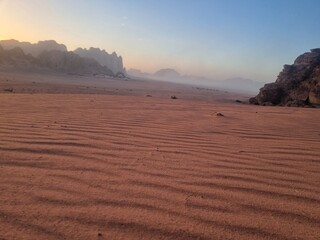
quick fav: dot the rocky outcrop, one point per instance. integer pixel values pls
(16, 58)
(34, 49)
(54, 60)
(69, 62)
(55, 56)
(297, 85)
(111, 61)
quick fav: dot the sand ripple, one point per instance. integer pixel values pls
(114, 167)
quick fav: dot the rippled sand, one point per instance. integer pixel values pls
(88, 166)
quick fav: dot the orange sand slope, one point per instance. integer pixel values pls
(129, 167)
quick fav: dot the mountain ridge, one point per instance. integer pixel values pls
(237, 84)
(54, 56)
(33, 48)
(112, 61)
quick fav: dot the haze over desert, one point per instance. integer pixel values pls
(159, 120)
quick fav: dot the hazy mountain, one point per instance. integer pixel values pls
(138, 73)
(70, 62)
(112, 61)
(15, 57)
(33, 49)
(54, 60)
(233, 84)
(167, 73)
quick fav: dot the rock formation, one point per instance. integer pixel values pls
(33, 49)
(111, 61)
(55, 56)
(16, 58)
(54, 60)
(69, 62)
(297, 85)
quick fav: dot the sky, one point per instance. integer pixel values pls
(218, 39)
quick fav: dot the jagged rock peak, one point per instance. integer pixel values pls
(315, 50)
(110, 64)
(312, 57)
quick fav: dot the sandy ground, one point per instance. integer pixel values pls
(114, 164)
(55, 84)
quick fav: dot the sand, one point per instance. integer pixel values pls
(115, 164)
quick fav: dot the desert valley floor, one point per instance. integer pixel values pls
(103, 160)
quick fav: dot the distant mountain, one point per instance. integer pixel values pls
(138, 73)
(16, 57)
(33, 49)
(233, 84)
(112, 61)
(167, 73)
(51, 48)
(54, 60)
(70, 62)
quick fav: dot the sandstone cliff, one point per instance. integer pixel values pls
(16, 58)
(70, 62)
(33, 49)
(54, 60)
(92, 60)
(111, 61)
(297, 85)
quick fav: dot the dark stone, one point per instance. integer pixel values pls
(8, 89)
(297, 85)
(254, 101)
(316, 50)
(270, 93)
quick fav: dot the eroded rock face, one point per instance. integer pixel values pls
(111, 61)
(58, 61)
(15, 57)
(70, 62)
(297, 85)
(53, 55)
(35, 49)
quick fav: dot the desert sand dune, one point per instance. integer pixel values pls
(99, 166)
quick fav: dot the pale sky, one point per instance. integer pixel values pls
(214, 38)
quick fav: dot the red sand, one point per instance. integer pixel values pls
(89, 166)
